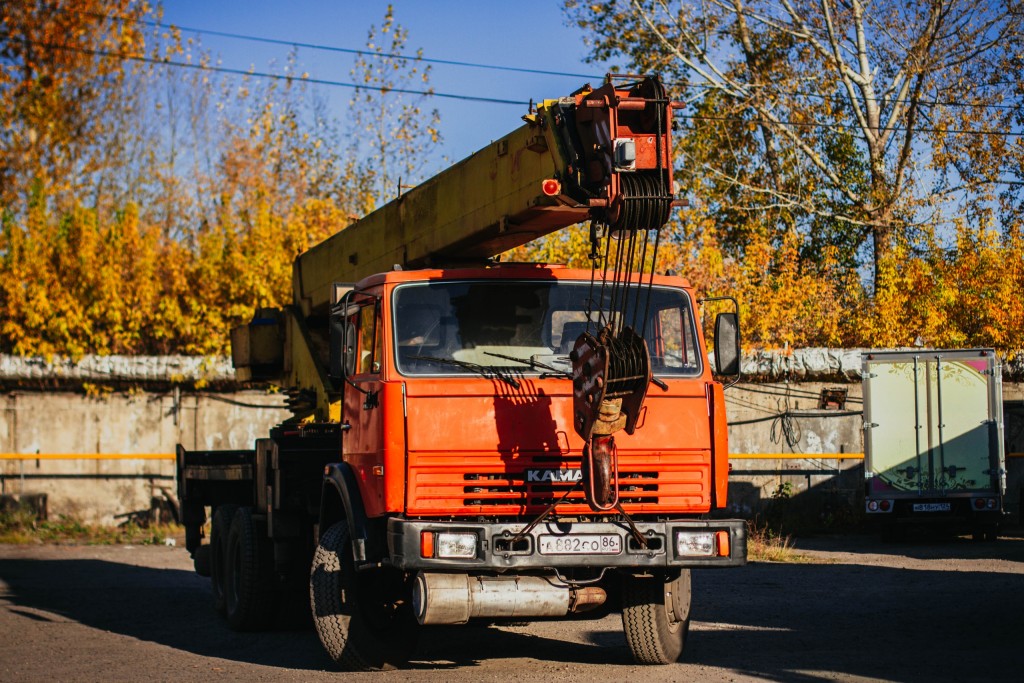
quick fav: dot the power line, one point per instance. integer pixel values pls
(371, 53)
(272, 76)
(473, 98)
(342, 50)
(478, 65)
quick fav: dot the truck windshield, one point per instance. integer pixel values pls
(527, 326)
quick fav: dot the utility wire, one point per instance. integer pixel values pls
(495, 67)
(272, 76)
(370, 53)
(479, 65)
(476, 98)
(334, 48)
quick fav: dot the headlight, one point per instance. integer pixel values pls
(456, 546)
(695, 543)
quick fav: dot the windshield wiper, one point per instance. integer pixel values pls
(537, 365)
(482, 370)
(534, 364)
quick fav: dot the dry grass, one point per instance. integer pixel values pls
(766, 545)
(20, 526)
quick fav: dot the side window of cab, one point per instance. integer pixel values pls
(368, 351)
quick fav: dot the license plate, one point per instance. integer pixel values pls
(932, 507)
(581, 544)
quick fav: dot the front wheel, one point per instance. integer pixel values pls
(656, 616)
(364, 619)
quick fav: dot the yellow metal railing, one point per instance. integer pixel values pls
(86, 456)
(170, 456)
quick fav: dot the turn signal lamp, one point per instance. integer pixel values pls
(722, 543)
(427, 544)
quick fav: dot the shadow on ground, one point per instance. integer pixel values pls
(784, 622)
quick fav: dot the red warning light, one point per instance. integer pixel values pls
(551, 187)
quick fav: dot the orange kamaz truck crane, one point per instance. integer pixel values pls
(481, 440)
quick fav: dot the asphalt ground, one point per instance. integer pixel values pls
(856, 609)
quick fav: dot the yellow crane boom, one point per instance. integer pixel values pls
(602, 154)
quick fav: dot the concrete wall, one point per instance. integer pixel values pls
(780, 439)
(106, 431)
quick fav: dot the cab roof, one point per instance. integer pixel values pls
(508, 271)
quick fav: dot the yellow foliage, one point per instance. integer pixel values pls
(967, 295)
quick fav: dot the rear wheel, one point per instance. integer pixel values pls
(250, 596)
(220, 528)
(656, 616)
(364, 620)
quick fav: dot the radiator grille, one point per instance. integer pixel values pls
(444, 483)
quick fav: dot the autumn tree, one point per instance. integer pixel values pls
(393, 132)
(162, 203)
(850, 120)
(61, 95)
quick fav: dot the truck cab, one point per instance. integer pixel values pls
(460, 466)
(458, 399)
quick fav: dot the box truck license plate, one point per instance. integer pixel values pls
(932, 507)
(581, 544)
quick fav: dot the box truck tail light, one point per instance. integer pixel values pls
(879, 505)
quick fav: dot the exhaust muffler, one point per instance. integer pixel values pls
(457, 598)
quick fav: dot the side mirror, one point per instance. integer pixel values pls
(336, 371)
(342, 341)
(349, 351)
(727, 344)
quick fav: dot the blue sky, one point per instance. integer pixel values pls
(533, 34)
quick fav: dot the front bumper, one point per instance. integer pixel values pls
(497, 552)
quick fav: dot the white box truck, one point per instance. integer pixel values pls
(933, 439)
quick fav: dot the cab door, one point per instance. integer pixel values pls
(361, 409)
